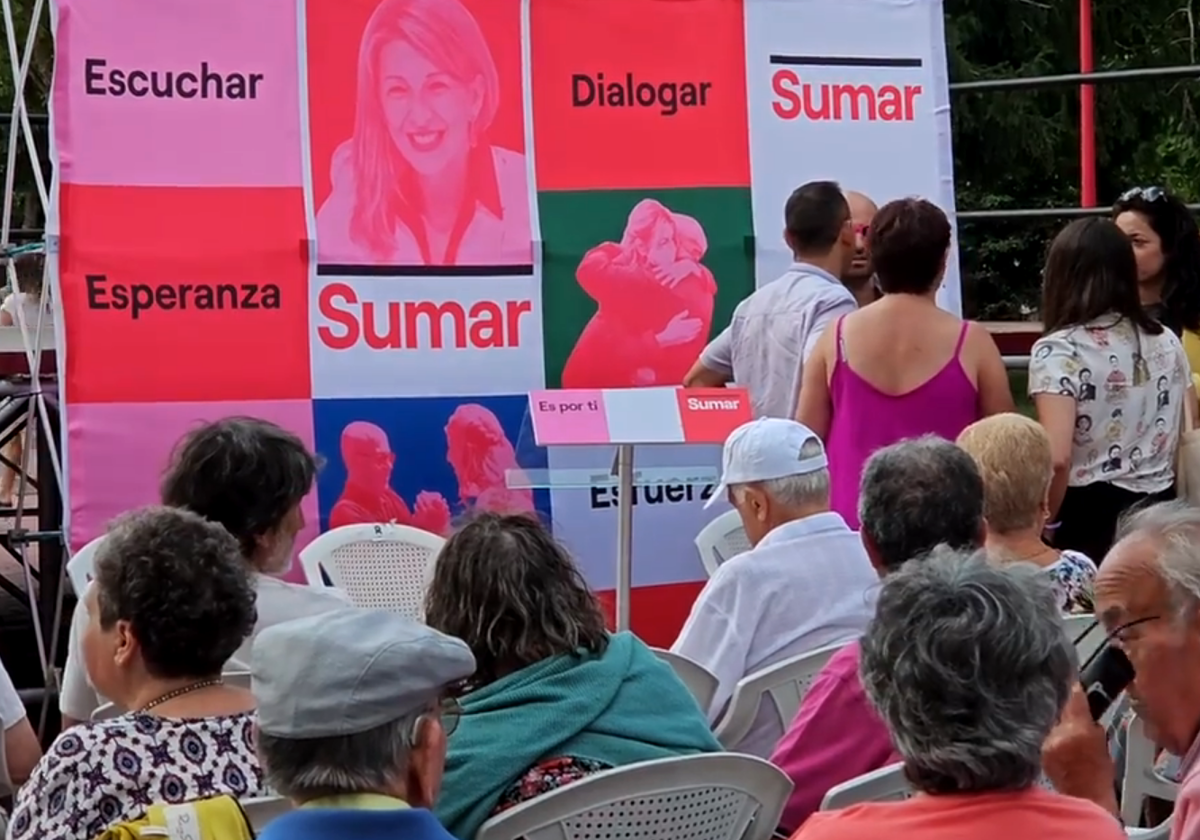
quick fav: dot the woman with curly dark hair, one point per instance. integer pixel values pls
(171, 601)
(249, 476)
(555, 696)
(1166, 243)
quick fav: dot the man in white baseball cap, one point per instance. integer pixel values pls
(807, 582)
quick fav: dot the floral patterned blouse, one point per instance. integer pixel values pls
(1073, 574)
(546, 776)
(99, 774)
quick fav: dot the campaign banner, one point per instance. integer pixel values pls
(854, 91)
(383, 224)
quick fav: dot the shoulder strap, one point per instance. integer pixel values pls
(841, 346)
(962, 338)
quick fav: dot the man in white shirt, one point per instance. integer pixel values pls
(250, 476)
(807, 583)
(774, 330)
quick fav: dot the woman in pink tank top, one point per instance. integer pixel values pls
(900, 367)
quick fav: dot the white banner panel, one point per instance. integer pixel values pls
(393, 336)
(667, 515)
(853, 91)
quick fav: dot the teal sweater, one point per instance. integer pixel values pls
(621, 707)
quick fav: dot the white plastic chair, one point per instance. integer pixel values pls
(263, 809)
(784, 685)
(721, 539)
(1086, 641)
(1140, 779)
(79, 567)
(698, 679)
(716, 796)
(383, 567)
(239, 678)
(887, 784)
(7, 788)
(1160, 832)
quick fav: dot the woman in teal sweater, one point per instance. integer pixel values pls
(555, 696)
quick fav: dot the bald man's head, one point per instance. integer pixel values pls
(367, 454)
(862, 212)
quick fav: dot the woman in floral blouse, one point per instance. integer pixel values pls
(1108, 382)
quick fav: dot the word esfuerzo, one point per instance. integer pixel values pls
(137, 299)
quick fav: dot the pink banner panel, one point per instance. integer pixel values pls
(178, 93)
(113, 470)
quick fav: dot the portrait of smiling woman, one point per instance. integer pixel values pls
(419, 182)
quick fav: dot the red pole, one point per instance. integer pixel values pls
(1087, 111)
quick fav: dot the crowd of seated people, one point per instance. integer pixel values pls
(513, 687)
(935, 570)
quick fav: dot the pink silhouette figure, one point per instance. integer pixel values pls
(655, 303)
(419, 183)
(368, 496)
(481, 455)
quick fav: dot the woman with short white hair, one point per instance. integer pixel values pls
(1014, 458)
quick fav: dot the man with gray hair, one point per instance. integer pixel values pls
(915, 495)
(967, 664)
(353, 721)
(806, 583)
(1147, 596)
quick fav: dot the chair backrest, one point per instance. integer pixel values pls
(698, 679)
(721, 539)
(1085, 633)
(717, 796)
(887, 784)
(263, 809)
(1160, 832)
(782, 685)
(7, 788)
(1140, 781)
(79, 567)
(384, 567)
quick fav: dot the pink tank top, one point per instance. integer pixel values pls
(865, 419)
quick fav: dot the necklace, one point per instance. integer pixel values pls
(1032, 555)
(179, 692)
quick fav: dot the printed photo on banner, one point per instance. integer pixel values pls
(421, 462)
(639, 280)
(119, 452)
(416, 117)
(630, 95)
(867, 106)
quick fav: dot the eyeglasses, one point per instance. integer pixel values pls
(1116, 635)
(1150, 194)
(862, 230)
(450, 710)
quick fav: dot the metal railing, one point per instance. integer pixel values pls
(1182, 71)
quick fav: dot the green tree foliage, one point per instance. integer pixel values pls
(27, 211)
(1020, 149)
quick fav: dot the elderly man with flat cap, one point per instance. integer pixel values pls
(352, 723)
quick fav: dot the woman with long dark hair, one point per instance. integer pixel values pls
(1109, 382)
(1166, 244)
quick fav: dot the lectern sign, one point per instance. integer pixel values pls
(637, 415)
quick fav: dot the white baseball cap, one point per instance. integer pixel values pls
(766, 449)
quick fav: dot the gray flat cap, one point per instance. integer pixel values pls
(348, 671)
